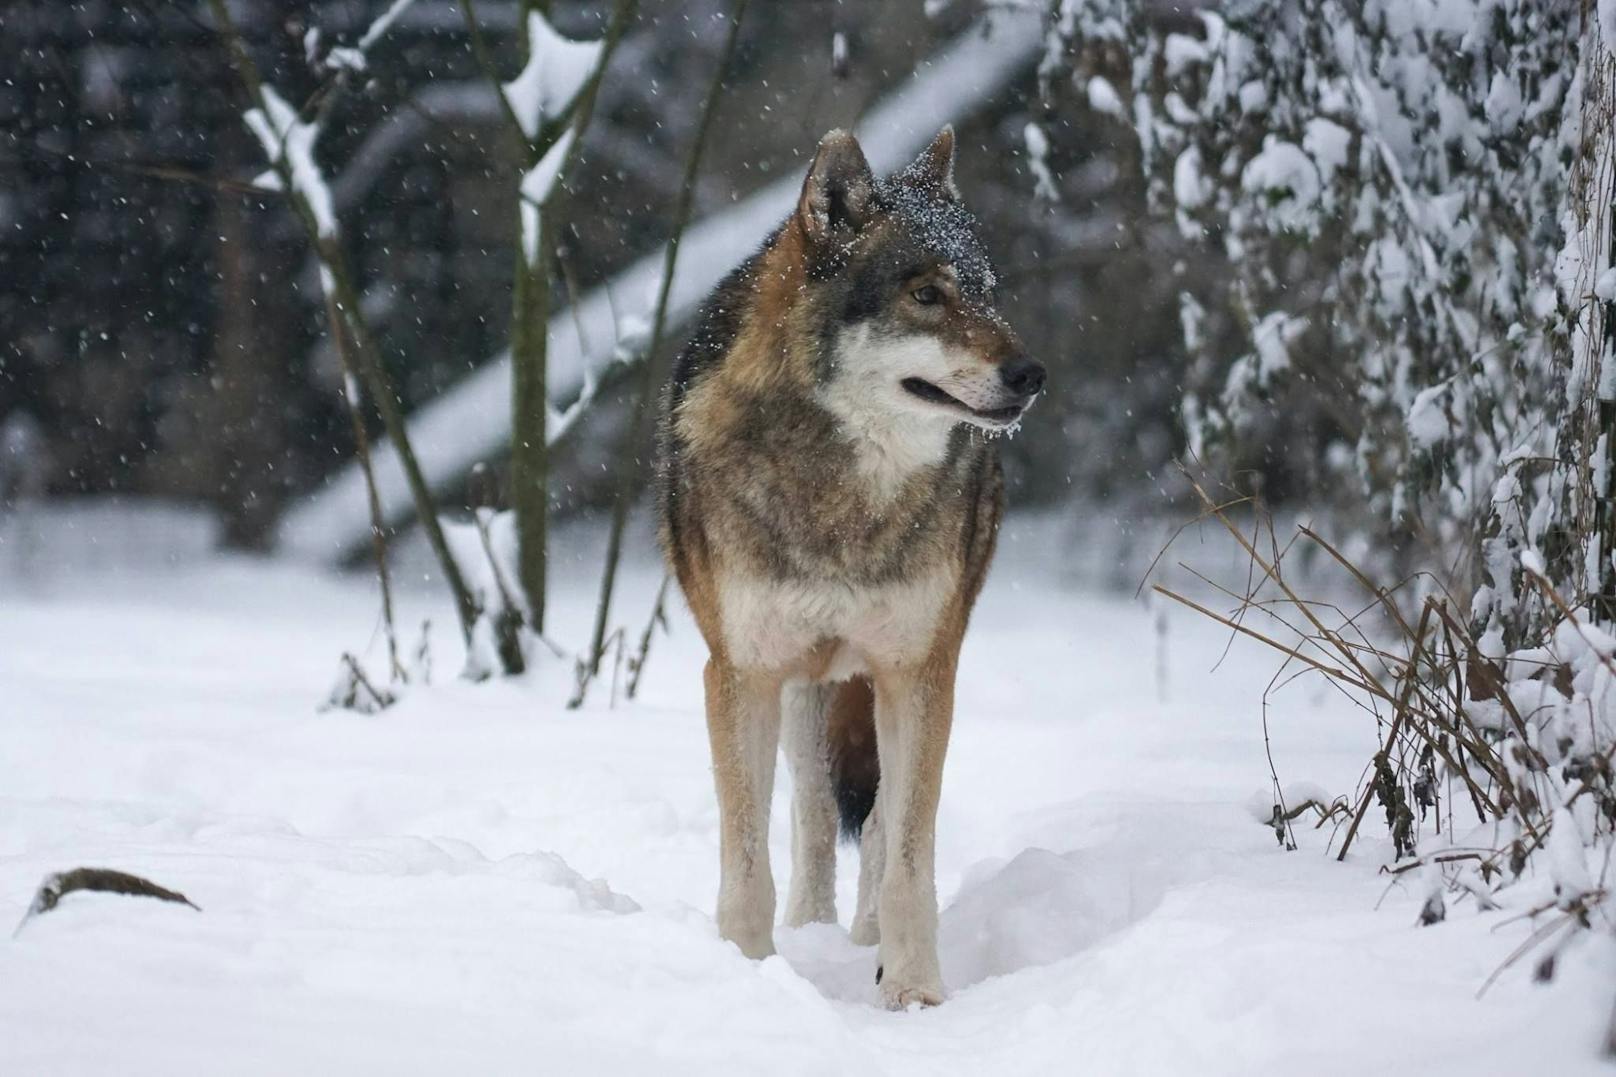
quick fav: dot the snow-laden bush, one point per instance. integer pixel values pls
(1400, 189)
(1493, 775)
(1414, 201)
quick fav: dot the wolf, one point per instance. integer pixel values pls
(829, 496)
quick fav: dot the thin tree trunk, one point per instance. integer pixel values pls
(530, 313)
(530, 307)
(530, 454)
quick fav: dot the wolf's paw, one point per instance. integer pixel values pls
(897, 995)
(755, 937)
(747, 920)
(755, 945)
(810, 910)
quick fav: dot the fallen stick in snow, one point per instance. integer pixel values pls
(59, 884)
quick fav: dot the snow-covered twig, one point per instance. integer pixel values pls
(355, 57)
(378, 527)
(354, 691)
(658, 618)
(509, 617)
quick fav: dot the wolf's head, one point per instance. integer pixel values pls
(904, 295)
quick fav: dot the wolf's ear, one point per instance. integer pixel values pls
(838, 197)
(933, 170)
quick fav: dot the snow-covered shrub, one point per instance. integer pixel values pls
(1493, 774)
(1414, 200)
(1396, 188)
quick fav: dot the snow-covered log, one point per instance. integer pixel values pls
(471, 422)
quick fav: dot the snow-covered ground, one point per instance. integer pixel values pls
(480, 881)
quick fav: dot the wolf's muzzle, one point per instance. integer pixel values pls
(1022, 376)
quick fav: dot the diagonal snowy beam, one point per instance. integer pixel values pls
(470, 423)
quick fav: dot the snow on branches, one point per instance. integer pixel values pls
(1390, 183)
(556, 72)
(537, 182)
(289, 141)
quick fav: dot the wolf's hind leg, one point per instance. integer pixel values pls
(866, 929)
(812, 897)
(743, 724)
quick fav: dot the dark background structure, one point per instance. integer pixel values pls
(161, 327)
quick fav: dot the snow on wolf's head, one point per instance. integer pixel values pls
(903, 296)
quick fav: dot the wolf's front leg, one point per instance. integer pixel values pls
(913, 712)
(743, 724)
(812, 896)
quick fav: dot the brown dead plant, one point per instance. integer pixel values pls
(1408, 659)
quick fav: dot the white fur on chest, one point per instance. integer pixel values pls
(774, 624)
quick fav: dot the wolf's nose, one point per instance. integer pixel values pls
(1022, 375)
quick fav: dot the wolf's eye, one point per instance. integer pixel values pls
(928, 295)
